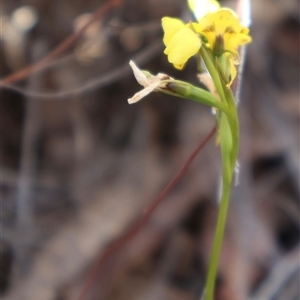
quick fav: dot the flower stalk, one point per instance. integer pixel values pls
(214, 39)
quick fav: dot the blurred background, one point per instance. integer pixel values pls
(79, 166)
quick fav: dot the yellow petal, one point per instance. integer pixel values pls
(171, 26)
(184, 44)
(223, 24)
(207, 29)
(245, 30)
(232, 72)
(225, 18)
(235, 40)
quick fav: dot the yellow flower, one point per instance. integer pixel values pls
(224, 33)
(221, 31)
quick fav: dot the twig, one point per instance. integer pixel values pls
(141, 58)
(62, 47)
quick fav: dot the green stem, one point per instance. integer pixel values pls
(214, 260)
(229, 161)
(224, 205)
(188, 91)
(233, 123)
(213, 72)
(227, 106)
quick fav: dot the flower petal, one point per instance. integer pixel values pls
(224, 23)
(233, 72)
(207, 29)
(143, 93)
(235, 40)
(184, 44)
(171, 26)
(138, 74)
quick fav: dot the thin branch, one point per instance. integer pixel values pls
(62, 47)
(118, 73)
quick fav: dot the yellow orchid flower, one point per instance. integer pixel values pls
(224, 33)
(221, 31)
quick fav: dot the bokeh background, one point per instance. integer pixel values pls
(79, 166)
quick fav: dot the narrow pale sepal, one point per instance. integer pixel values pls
(150, 82)
(143, 93)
